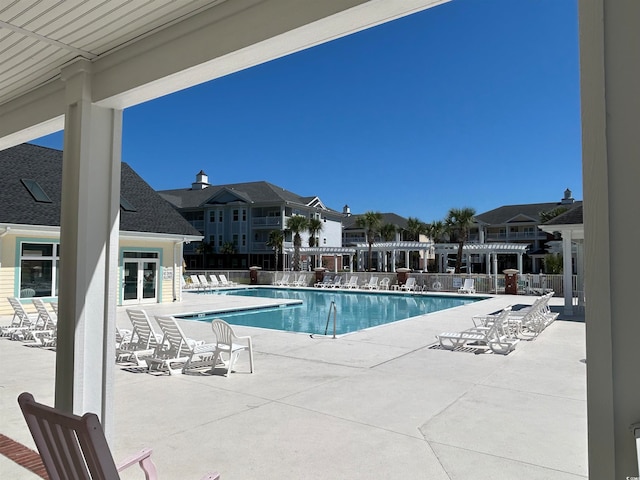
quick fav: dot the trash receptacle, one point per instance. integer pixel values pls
(319, 274)
(403, 274)
(253, 275)
(511, 281)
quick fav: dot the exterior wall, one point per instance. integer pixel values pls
(10, 267)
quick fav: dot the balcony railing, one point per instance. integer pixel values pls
(266, 221)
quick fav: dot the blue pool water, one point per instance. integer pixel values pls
(355, 310)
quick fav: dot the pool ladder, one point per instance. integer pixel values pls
(335, 314)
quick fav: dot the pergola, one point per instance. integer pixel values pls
(394, 248)
(322, 252)
(490, 250)
(77, 68)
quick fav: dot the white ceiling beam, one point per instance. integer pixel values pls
(228, 38)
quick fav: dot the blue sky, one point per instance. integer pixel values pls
(474, 103)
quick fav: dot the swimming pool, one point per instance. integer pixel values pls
(354, 310)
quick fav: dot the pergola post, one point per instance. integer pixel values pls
(89, 229)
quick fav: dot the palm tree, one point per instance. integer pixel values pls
(205, 249)
(295, 225)
(415, 227)
(458, 222)
(388, 234)
(314, 228)
(371, 222)
(276, 241)
(436, 230)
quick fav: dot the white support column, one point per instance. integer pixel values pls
(495, 271)
(520, 263)
(567, 274)
(610, 94)
(393, 260)
(90, 219)
(580, 274)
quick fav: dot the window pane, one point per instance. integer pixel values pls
(36, 275)
(37, 249)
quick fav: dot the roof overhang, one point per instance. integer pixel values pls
(576, 230)
(135, 52)
(388, 246)
(322, 250)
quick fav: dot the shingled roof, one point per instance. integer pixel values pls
(152, 214)
(519, 213)
(250, 192)
(570, 217)
(387, 218)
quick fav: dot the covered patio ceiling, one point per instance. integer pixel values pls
(143, 50)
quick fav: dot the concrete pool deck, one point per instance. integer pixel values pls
(380, 403)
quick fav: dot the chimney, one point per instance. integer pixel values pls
(346, 211)
(202, 181)
(568, 199)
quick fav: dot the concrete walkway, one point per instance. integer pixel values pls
(380, 403)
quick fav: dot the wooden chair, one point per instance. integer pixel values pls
(75, 447)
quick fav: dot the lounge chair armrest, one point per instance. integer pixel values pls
(142, 458)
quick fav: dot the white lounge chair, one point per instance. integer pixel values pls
(300, 281)
(495, 336)
(224, 282)
(213, 281)
(337, 282)
(384, 283)
(143, 341)
(227, 343)
(353, 282)
(178, 349)
(44, 333)
(326, 281)
(195, 281)
(204, 281)
(372, 284)
(284, 281)
(468, 286)
(75, 447)
(21, 321)
(410, 285)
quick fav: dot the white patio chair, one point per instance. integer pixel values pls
(468, 286)
(224, 282)
(227, 343)
(410, 285)
(372, 284)
(142, 342)
(284, 281)
(178, 349)
(353, 282)
(21, 321)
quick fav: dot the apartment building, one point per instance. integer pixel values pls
(518, 224)
(236, 220)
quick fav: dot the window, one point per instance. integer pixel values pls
(244, 215)
(39, 269)
(126, 206)
(244, 240)
(220, 216)
(36, 191)
(212, 216)
(235, 240)
(235, 215)
(212, 240)
(220, 240)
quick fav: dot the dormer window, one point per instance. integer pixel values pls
(126, 206)
(36, 191)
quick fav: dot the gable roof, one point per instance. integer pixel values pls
(572, 216)
(520, 213)
(152, 214)
(387, 218)
(249, 193)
